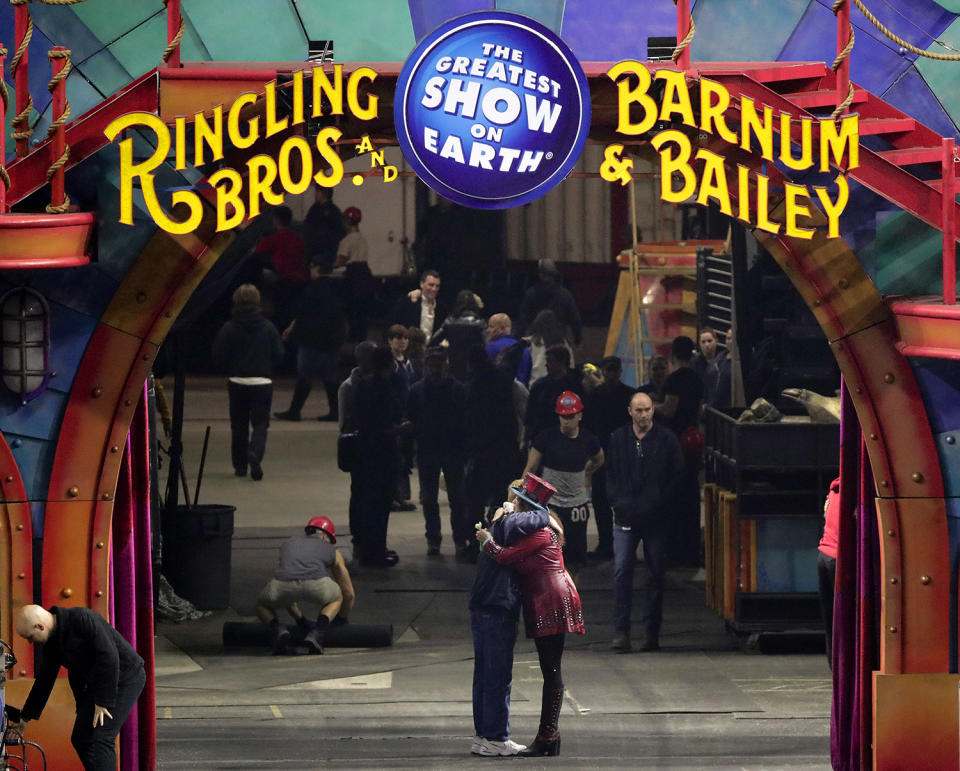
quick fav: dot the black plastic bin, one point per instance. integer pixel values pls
(196, 554)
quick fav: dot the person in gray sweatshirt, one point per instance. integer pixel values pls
(247, 348)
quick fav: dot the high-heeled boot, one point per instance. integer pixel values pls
(542, 748)
(548, 737)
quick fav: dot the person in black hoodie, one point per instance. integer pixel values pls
(493, 456)
(247, 348)
(379, 418)
(106, 676)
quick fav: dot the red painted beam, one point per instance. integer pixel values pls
(875, 171)
(84, 135)
(18, 587)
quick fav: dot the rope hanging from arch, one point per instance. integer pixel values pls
(844, 54)
(687, 39)
(899, 40)
(173, 44)
(5, 98)
(60, 120)
(21, 121)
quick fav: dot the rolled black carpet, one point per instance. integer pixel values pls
(252, 634)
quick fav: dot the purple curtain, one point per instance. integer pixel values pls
(132, 590)
(856, 605)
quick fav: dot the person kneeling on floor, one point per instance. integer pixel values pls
(309, 568)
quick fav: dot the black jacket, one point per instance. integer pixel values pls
(641, 487)
(95, 654)
(550, 295)
(490, 419)
(320, 315)
(605, 409)
(408, 313)
(248, 345)
(436, 410)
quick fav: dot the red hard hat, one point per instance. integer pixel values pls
(324, 524)
(568, 403)
(353, 213)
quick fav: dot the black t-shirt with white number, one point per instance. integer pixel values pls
(564, 459)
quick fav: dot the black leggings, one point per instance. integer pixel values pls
(550, 653)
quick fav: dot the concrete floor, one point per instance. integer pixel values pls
(699, 703)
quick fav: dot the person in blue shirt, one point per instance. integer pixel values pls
(499, 338)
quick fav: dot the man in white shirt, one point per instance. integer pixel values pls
(420, 308)
(361, 286)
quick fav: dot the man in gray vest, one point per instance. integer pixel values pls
(309, 568)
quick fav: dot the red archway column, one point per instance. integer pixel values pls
(16, 556)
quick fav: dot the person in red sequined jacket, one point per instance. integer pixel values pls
(551, 604)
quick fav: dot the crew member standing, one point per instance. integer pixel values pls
(569, 454)
(644, 468)
(106, 676)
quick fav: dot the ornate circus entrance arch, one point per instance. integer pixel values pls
(108, 384)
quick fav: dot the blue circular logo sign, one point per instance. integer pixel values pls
(492, 109)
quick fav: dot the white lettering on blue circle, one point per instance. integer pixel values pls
(492, 109)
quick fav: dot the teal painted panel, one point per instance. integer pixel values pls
(722, 29)
(192, 48)
(105, 72)
(371, 31)
(139, 51)
(787, 554)
(944, 77)
(65, 27)
(8, 144)
(110, 20)
(265, 31)
(906, 256)
(82, 97)
(34, 459)
(548, 12)
(39, 419)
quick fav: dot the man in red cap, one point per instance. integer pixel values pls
(568, 455)
(310, 568)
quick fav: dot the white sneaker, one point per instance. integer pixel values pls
(491, 748)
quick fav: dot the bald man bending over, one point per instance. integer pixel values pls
(105, 673)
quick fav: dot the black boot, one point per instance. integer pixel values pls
(300, 393)
(314, 638)
(542, 747)
(548, 737)
(281, 638)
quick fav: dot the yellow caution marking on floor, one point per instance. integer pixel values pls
(168, 713)
(276, 710)
(576, 704)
